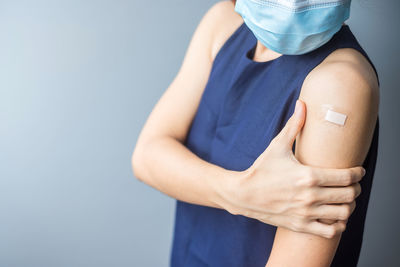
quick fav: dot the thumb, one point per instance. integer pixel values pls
(288, 134)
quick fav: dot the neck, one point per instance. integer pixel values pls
(263, 53)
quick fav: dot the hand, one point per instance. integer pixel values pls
(277, 189)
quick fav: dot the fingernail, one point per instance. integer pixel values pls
(364, 172)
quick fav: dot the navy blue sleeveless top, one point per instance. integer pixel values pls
(245, 104)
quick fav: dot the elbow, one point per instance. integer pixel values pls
(137, 164)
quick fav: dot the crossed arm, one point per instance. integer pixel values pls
(344, 83)
(347, 85)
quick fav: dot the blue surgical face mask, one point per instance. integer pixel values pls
(293, 27)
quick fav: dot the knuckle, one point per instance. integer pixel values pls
(355, 191)
(305, 213)
(346, 212)
(299, 226)
(323, 213)
(331, 232)
(348, 178)
(352, 206)
(351, 195)
(311, 197)
(308, 199)
(309, 179)
(342, 226)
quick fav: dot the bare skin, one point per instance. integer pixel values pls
(348, 83)
(162, 161)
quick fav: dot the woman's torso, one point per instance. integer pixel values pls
(244, 106)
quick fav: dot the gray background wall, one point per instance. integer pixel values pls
(77, 82)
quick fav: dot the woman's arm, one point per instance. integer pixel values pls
(346, 83)
(161, 160)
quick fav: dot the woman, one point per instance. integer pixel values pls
(257, 184)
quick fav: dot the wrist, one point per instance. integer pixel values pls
(226, 188)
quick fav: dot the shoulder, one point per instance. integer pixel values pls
(346, 83)
(222, 21)
(345, 79)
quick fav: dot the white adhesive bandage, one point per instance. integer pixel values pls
(335, 117)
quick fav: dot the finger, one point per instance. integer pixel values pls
(337, 195)
(337, 177)
(333, 211)
(293, 126)
(325, 230)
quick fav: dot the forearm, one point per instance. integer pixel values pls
(302, 249)
(167, 165)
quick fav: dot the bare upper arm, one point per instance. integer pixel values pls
(175, 110)
(345, 87)
(345, 84)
